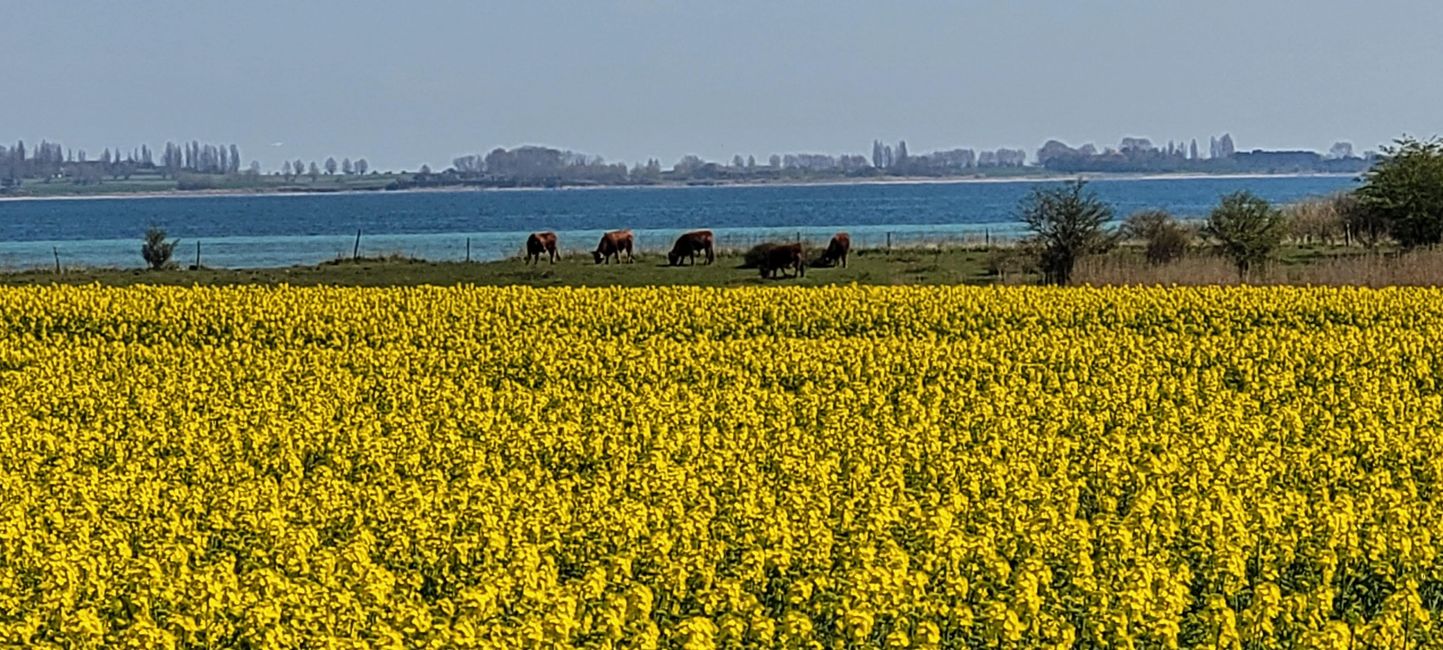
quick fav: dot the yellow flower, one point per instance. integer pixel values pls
(512, 467)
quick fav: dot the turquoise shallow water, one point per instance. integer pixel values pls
(259, 231)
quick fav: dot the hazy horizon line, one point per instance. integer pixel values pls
(94, 154)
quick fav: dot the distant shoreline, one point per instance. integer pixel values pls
(900, 180)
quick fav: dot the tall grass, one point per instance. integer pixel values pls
(1421, 268)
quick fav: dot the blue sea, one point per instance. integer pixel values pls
(271, 231)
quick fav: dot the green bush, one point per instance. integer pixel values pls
(156, 250)
(1247, 229)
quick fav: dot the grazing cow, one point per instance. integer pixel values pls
(689, 244)
(837, 250)
(780, 258)
(612, 245)
(538, 243)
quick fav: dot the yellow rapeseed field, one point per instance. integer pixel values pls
(683, 467)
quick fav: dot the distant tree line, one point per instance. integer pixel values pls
(1140, 155)
(295, 169)
(186, 162)
(544, 166)
(530, 165)
(49, 161)
(198, 158)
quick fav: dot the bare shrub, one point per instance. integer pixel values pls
(1315, 221)
(1165, 238)
(1364, 226)
(1068, 222)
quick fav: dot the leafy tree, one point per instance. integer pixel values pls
(1404, 190)
(1166, 238)
(331, 166)
(362, 166)
(1068, 222)
(347, 167)
(313, 171)
(156, 250)
(1247, 229)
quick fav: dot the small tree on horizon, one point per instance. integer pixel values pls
(1068, 222)
(1247, 229)
(156, 250)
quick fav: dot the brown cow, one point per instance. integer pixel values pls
(613, 244)
(689, 244)
(837, 250)
(780, 258)
(538, 243)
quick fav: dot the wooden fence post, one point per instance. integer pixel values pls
(468, 249)
(356, 250)
(56, 250)
(197, 254)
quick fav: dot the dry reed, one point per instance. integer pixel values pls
(1420, 268)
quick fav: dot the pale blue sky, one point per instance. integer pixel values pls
(405, 83)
